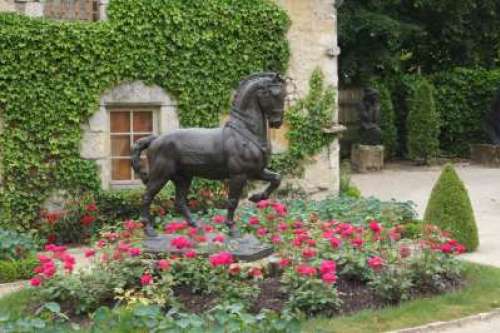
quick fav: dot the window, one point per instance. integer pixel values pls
(80, 10)
(126, 127)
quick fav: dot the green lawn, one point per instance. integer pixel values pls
(482, 294)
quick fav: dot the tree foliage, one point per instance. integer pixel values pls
(382, 37)
(52, 74)
(450, 209)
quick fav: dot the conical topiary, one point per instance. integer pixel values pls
(450, 209)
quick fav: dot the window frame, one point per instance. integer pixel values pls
(129, 108)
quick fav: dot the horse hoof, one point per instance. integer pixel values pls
(257, 197)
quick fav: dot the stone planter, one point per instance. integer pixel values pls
(367, 158)
(486, 154)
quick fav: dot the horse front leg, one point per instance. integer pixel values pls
(152, 188)
(274, 180)
(236, 184)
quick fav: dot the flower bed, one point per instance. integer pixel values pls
(319, 267)
(16, 256)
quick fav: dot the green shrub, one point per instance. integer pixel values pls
(423, 124)
(450, 209)
(14, 245)
(387, 120)
(346, 187)
(14, 270)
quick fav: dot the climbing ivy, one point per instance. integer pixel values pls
(307, 119)
(52, 74)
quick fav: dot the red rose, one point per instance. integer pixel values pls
(284, 262)
(329, 278)
(219, 239)
(308, 252)
(375, 227)
(335, 242)
(89, 253)
(87, 220)
(357, 242)
(180, 242)
(263, 204)
(255, 272)
(91, 207)
(218, 219)
(282, 227)
(376, 263)
(261, 232)
(163, 264)
(234, 269)
(446, 248)
(146, 279)
(327, 266)
(253, 220)
(36, 281)
(305, 270)
(280, 209)
(404, 251)
(221, 259)
(134, 251)
(190, 254)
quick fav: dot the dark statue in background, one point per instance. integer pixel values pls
(492, 121)
(369, 115)
(239, 151)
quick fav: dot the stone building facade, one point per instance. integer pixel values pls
(133, 109)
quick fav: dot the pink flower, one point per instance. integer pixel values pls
(298, 224)
(123, 247)
(357, 242)
(234, 269)
(284, 262)
(375, 227)
(218, 219)
(174, 227)
(253, 220)
(327, 266)
(280, 209)
(208, 228)
(256, 273)
(146, 279)
(276, 239)
(308, 252)
(163, 264)
(43, 259)
(282, 227)
(305, 270)
(130, 225)
(219, 239)
(404, 251)
(134, 251)
(335, 242)
(394, 234)
(48, 269)
(36, 281)
(263, 204)
(221, 258)
(376, 263)
(180, 242)
(329, 278)
(261, 232)
(446, 248)
(101, 243)
(91, 207)
(89, 253)
(460, 249)
(190, 254)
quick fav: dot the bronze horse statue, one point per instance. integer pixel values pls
(238, 152)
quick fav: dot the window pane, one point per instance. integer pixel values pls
(143, 121)
(120, 145)
(120, 122)
(121, 169)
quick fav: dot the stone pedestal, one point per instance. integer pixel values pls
(486, 154)
(367, 158)
(245, 248)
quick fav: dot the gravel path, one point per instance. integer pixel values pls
(415, 183)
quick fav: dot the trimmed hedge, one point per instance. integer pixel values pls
(423, 123)
(450, 209)
(387, 120)
(14, 270)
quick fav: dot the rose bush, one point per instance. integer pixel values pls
(311, 257)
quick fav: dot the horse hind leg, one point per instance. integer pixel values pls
(157, 180)
(182, 184)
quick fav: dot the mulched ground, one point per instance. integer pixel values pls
(355, 295)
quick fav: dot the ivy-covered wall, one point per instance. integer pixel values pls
(52, 74)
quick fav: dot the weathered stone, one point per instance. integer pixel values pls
(94, 146)
(485, 154)
(246, 248)
(367, 158)
(7, 6)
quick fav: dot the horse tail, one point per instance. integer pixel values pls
(139, 146)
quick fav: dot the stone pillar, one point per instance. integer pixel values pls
(102, 6)
(33, 8)
(313, 43)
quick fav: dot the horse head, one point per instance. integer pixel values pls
(268, 92)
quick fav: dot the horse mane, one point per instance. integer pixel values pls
(247, 83)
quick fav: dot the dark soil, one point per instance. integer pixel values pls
(194, 302)
(355, 296)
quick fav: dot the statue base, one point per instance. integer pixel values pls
(366, 158)
(486, 154)
(245, 248)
